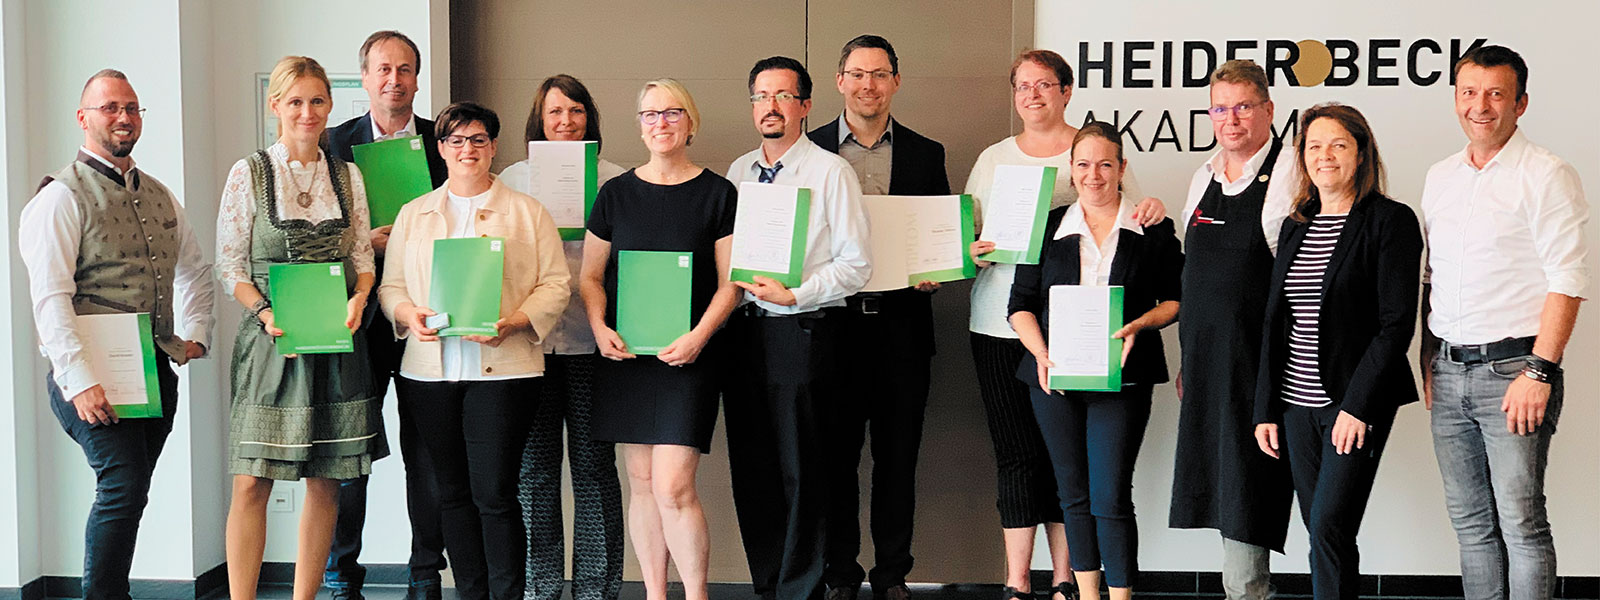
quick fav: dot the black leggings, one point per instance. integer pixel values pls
(1027, 485)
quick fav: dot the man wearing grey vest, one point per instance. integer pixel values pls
(102, 237)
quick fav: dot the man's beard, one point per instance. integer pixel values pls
(772, 135)
(118, 149)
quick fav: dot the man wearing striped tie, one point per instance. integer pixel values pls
(781, 339)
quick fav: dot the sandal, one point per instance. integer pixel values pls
(1011, 593)
(1067, 589)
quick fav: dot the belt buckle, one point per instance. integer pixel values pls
(869, 306)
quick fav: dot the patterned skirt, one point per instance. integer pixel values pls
(316, 415)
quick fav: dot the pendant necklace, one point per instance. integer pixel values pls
(303, 197)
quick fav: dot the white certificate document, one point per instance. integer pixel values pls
(769, 231)
(562, 176)
(121, 358)
(1082, 319)
(918, 238)
(1014, 212)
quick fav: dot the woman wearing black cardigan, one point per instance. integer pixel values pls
(1340, 316)
(1093, 438)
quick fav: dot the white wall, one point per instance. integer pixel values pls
(1406, 528)
(193, 63)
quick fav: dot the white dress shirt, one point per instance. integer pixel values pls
(1500, 238)
(1094, 260)
(462, 360)
(1281, 188)
(572, 334)
(410, 129)
(991, 293)
(49, 233)
(836, 263)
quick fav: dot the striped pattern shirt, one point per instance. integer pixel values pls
(1302, 381)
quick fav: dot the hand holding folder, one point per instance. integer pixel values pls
(653, 298)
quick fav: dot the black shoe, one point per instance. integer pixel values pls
(893, 592)
(1011, 593)
(843, 592)
(1067, 589)
(345, 592)
(424, 591)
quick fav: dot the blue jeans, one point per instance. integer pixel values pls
(123, 456)
(1494, 480)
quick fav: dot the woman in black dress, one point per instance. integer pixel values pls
(662, 409)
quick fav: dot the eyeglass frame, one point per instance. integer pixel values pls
(651, 117)
(112, 109)
(1041, 85)
(460, 141)
(780, 98)
(878, 75)
(1243, 110)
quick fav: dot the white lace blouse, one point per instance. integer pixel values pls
(238, 210)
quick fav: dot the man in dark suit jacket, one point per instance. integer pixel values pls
(887, 344)
(390, 63)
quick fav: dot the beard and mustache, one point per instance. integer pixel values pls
(119, 147)
(772, 135)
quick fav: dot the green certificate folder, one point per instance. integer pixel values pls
(769, 233)
(653, 294)
(1082, 319)
(467, 276)
(309, 304)
(564, 177)
(122, 355)
(1015, 212)
(395, 172)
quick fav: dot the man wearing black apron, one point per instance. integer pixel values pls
(1237, 202)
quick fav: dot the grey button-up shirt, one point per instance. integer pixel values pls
(871, 163)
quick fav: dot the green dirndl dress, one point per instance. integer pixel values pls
(316, 415)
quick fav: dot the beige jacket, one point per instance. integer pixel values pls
(536, 278)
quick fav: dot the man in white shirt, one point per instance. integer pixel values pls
(1237, 202)
(390, 66)
(1504, 220)
(782, 341)
(103, 237)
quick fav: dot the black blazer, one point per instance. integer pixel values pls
(357, 131)
(917, 165)
(1149, 267)
(1368, 314)
(915, 169)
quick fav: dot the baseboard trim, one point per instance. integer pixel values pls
(1299, 584)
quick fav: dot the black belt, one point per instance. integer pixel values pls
(865, 304)
(754, 310)
(1471, 354)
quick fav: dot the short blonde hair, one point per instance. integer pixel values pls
(289, 70)
(680, 94)
(1241, 71)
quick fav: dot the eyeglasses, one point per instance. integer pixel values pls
(878, 76)
(1041, 85)
(781, 97)
(111, 109)
(457, 141)
(672, 116)
(1242, 110)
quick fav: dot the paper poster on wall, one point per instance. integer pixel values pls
(349, 101)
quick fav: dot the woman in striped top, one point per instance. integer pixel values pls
(1340, 316)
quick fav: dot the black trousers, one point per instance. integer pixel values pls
(422, 495)
(781, 384)
(883, 388)
(123, 456)
(475, 432)
(1026, 494)
(1333, 490)
(1094, 440)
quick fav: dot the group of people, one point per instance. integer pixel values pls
(1296, 284)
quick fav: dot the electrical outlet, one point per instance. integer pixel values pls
(281, 500)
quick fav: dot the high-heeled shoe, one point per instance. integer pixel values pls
(1011, 593)
(1067, 589)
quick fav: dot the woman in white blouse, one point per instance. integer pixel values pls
(1041, 83)
(475, 395)
(314, 417)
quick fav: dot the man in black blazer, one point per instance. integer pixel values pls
(390, 64)
(887, 341)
